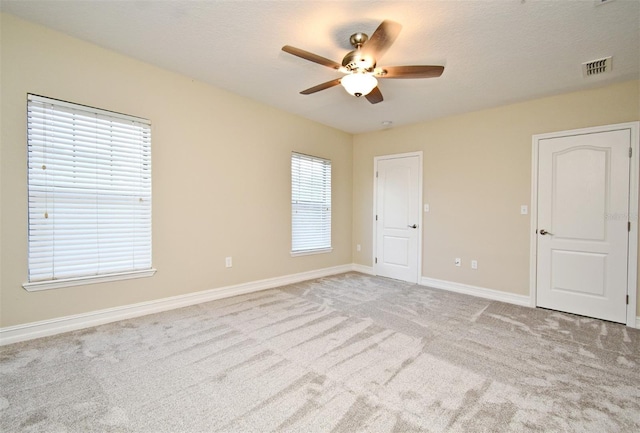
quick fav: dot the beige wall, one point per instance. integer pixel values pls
(221, 174)
(477, 173)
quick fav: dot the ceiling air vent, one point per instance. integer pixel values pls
(596, 67)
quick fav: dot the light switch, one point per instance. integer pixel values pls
(426, 208)
(524, 209)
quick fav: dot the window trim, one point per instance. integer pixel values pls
(311, 252)
(56, 283)
(322, 249)
(80, 281)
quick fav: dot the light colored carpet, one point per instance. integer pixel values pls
(348, 353)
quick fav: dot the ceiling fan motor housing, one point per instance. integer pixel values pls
(357, 61)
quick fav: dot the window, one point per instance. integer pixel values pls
(89, 179)
(310, 204)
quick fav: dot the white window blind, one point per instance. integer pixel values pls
(310, 203)
(89, 191)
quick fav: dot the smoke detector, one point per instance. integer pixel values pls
(596, 67)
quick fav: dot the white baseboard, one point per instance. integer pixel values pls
(363, 269)
(482, 292)
(44, 328)
(495, 295)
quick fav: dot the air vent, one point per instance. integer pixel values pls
(596, 67)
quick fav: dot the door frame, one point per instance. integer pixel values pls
(634, 178)
(375, 207)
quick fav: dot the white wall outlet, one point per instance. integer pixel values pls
(474, 264)
(458, 261)
(358, 247)
(524, 209)
(228, 262)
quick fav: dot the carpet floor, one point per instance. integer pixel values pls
(347, 353)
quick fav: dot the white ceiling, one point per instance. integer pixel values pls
(494, 52)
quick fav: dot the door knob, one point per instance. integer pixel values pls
(415, 226)
(544, 232)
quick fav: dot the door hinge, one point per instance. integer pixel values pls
(630, 152)
(627, 299)
(376, 174)
(376, 260)
(628, 226)
(376, 217)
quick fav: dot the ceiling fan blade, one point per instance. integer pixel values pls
(423, 71)
(381, 39)
(311, 57)
(374, 96)
(322, 86)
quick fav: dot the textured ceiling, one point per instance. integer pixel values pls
(494, 52)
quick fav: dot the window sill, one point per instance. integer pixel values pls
(310, 252)
(80, 281)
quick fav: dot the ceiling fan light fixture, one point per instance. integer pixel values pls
(359, 83)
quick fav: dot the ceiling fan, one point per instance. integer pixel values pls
(360, 64)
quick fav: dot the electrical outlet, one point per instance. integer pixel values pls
(228, 262)
(474, 264)
(458, 261)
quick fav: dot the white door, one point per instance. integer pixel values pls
(583, 214)
(398, 221)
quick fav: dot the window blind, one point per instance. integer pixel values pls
(89, 178)
(310, 203)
